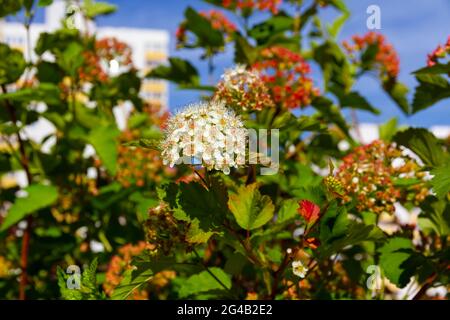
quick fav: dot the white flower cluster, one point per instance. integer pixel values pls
(235, 78)
(206, 133)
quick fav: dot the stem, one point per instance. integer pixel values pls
(298, 15)
(210, 69)
(425, 287)
(27, 233)
(211, 273)
(251, 175)
(251, 255)
(276, 274)
(24, 259)
(72, 99)
(201, 178)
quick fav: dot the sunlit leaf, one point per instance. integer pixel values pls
(251, 209)
(38, 196)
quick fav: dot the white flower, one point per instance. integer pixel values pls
(299, 269)
(209, 132)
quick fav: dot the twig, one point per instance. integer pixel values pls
(251, 255)
(201, 178)
(276, 274)
(425, 287)
(211, 273)
(251, 175)
(27, 233)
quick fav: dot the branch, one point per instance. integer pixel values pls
(425, 287)
(211, 273)
(27, 234)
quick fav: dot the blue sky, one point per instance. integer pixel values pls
(414, 27)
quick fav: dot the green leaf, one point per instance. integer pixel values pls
(235, 263)
(398, 93)
(387, 130)
(154, 144)
(353, 100)
(144, 268)
(87, 117)
(93, 9)
(438, 68)
(44, 3)
(263, 31)
(305, 123)
(9, 128)
(193, 202)
(337, 24)
(104, 141)
(393, 256)
(137, 120)
(56, 42)
(204, 282)
(275, 255)
(143, 203)
(331, 113)
(12, 63)
(44, 92)
(368, 57)
(49, 72)
(207, 36)
(89, 278)
(288, 210)
(423, 143)
(132, 280)
(312, 193)
(431, 89)
(196, 235)
(355, 234)
(333, 224)
(337, 232)
(441, 180)
(405, 182)
(5, 160)
(334, 64)
(179, 71)
(38, 197)
(244, 52)
(250, 208)
(438, 212)
(8, 7)
(72, 58)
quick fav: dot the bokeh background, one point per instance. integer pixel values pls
(414, 27)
